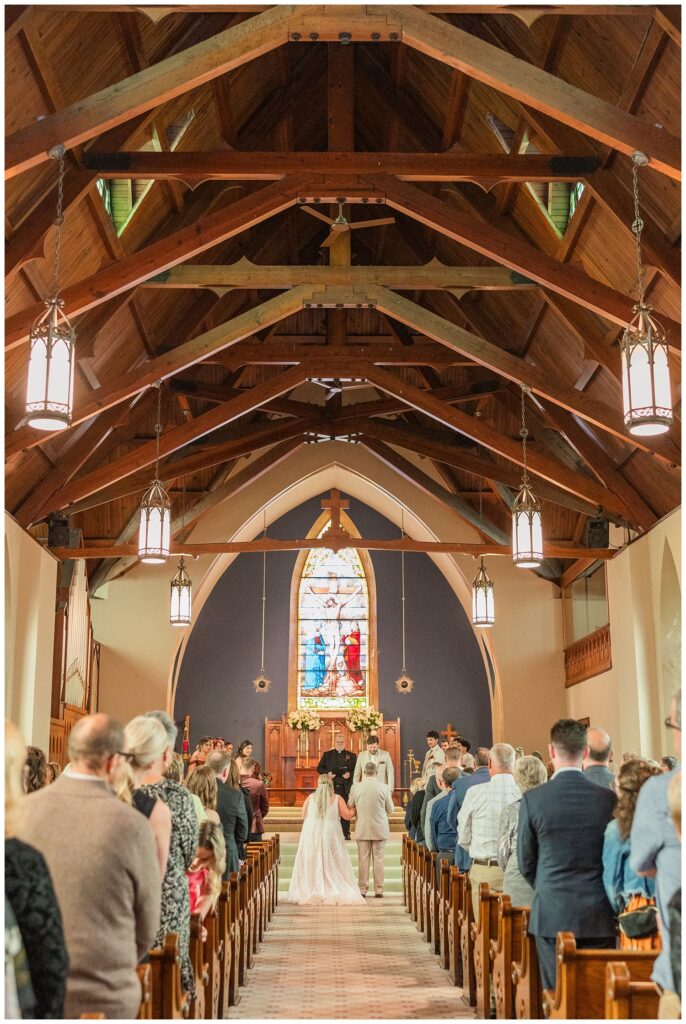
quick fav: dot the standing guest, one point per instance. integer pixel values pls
(175, 913)
(674, 909)
(668, 763)
(35, 770)
(259, 801)
(519, 752)
(596, 765)
(202, 785)
(147, 751)
(626, 890)
(52, 771)
(463, 745)
(205, 881)
(655, 848)
(230, 806)
(478, 823)
(434, 755)
(529, 772)
(382, 760)
(20, 1001)
(444, 745)
(559, 851)
(245, 750)
(218, 743)
(414, 808)
(536, 753)
(31, 897)
(433, 790)
(373, 802)
(228, 747)
(102, 858)
(175, 769)
(199, 755)
(629, 755)
(468, 764)
(460, 788)
(339, 765)
(442, 835)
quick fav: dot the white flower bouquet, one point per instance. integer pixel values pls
(304, 720)
(363, 719)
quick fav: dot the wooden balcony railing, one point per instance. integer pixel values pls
(588, 657)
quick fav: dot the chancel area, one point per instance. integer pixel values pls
(342, 512)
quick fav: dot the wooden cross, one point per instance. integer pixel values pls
(335, 503)
(448, 733)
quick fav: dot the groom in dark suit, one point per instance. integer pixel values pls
(560, 851)
(339, 765)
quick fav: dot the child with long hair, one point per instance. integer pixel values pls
(205, 883)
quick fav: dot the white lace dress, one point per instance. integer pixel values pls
(322, 873)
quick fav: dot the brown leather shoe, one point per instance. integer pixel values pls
(378, 895)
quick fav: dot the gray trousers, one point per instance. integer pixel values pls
(370, 849)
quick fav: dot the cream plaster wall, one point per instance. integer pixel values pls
(631, 700)
(30, 587)
(139, 647)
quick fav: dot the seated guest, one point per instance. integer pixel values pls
(258, 798)
(529, 772)
(559, 851)
(146, 745)
(202, 785)
(205, 882)
(52, 771)
(413, 813)
(230, 807)
(478, 823)
(452, 759)
(625, 890)
(31, 898)
(442, 834)
(674, 799)
(102, 859)
(35, 770)
(596, 765)
(655, 847)
(668, 763)
(460, 788)
(199, 755)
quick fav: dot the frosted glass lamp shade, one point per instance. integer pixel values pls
(154, 534)
(527, 530)
(483, 602)
(645, 376)
(180, 597)
(50, 387)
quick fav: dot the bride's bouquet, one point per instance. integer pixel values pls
(364, 719)
(304, 720)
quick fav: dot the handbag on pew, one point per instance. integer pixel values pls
(638, 921)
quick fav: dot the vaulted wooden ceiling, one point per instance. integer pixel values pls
(221, 138)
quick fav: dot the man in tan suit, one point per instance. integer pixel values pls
(382, 760)
(372, 800)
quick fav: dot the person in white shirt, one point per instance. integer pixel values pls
(434, 755)
(478, 823)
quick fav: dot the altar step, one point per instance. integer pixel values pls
(288, 819)
(392, 869)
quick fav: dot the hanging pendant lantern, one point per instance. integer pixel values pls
(483, 603)
(180, 604)
(527, 525)
(50, 385)
(645, 358)
(261, 682)
(403, 683)
(154, 534)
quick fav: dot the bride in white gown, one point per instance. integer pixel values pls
(322, 873)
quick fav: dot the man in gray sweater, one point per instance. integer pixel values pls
(101, 855)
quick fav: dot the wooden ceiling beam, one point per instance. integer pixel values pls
(505, 249)
(382, 353)
(538, 89)
(182, 245)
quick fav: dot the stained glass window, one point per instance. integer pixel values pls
(333, 631)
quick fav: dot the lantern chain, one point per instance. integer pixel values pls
(524, 433)
(637, 227)
(264, 590)
(402, 582)
(57, 153)
(158, 429)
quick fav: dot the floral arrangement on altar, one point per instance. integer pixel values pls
(304, 720)
(363, 719)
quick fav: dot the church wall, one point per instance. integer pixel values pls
(30, 587)
(632, 698)
(223, 653)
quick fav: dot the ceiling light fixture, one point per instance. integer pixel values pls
(154, 534)
(527, 527)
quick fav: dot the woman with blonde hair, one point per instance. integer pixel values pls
(528, 773)
(205, 882)
(31, 898)
(322, 872)
(147, 749)
(202, 785)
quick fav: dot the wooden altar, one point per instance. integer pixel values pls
(292, 760)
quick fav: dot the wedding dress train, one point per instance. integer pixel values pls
(322, 873)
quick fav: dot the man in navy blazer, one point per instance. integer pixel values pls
(560, 851)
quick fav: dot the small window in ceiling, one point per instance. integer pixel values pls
(177, 129)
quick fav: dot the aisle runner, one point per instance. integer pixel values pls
(348, 962)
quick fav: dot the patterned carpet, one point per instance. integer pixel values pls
(348, 962)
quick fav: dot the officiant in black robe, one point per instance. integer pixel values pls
(339, 763)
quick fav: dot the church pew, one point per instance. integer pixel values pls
(412, 879)
(443, 912)
(201, 971)
(456, 901)
(419, 889)
(626, 999)
(262, 850)
(252, 901)
(465, 920)
(482, 930)
(144, 972)
(432, 891)
(169, 1001)
(255, 896)
(526, 977)
(277, 859)
(405, 869)
(580, 987)
(506, 948)
(245, 954)
(214, 956)
(229, 912)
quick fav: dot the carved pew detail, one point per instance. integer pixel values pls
(443, 913)
(169, 1001)
(457, 890)
(144, 972)
(626, 999)
(482, 930)
(506, 949)
(214, 956)
(526, 977)
(465, 920)
(200, 969)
